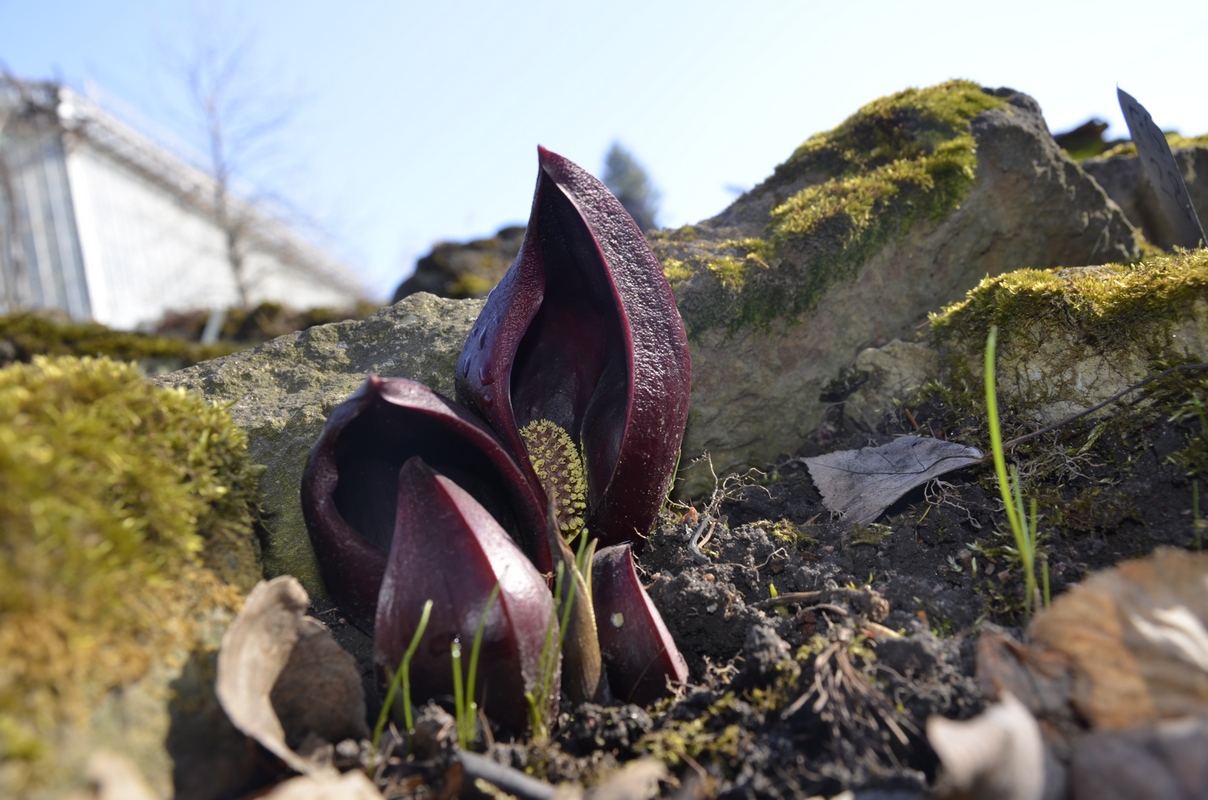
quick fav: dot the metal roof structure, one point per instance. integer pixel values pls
(100, 221)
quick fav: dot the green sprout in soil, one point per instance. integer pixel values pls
(1023, 526)
(540, 702)
(402, 677)
(465, 707)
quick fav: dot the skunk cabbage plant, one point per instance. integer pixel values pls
(638, 651)
(444, 526)
(582, 340)
(350, 494)
(575, 383)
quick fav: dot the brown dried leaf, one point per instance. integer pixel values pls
(1135, 640)
(861, 484)
(997, 755)
(275, 661)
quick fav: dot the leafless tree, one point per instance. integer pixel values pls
(240, 124)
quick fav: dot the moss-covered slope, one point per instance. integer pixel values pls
(125, 519)
(830, 206)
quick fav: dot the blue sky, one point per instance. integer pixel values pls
(414, 122)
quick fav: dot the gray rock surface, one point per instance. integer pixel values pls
(756, 388)
(281, 393)
(1125, 183)
(885, 374)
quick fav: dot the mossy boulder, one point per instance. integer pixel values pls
(127, 546)
(1070, 338)
(860, 233)
(281, 393)
(49, 333)
(463, 270)
(1120, 174)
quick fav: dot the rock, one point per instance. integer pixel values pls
(458, 270)
(282, 392)
(885, 374)
(1071, 338)
(902, 208)
(1119, 173)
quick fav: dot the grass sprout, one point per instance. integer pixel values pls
(402, 677)
(465, 707)
(1023, 525)
(540, 701)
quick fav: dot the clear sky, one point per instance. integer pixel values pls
(414, 122)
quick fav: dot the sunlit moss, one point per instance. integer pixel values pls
(126, 513)
(33, 334)
(899, 159)
(1111, 305)
(1175, 140)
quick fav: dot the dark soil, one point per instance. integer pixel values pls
(828, 686)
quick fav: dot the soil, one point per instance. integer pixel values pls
(817, 652)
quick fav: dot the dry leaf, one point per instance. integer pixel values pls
(1135, 640)
(861, 484)
(997, 755)
(274, 660)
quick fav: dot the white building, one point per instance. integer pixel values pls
(99, 221)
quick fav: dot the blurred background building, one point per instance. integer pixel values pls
(101, 222)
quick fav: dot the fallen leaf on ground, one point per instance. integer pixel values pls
(997, 755)
(278, 665)
(861, 484)
(1135, 640)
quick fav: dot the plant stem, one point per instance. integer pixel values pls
(1022, 529)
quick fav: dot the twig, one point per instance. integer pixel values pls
(1007, 445)
(695, 540)
(788, 598)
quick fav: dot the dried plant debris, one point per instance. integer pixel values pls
(1135, 640)
(997, 755)
(860, 484)
(284, 682)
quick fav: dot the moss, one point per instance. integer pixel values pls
(898, 160)
(39, 333)
(1113, 306)
(1174, 139)
(126, 512)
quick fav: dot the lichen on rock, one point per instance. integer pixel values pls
(126, 533)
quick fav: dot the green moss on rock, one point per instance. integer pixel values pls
(23, 336)
(126, 516)
(1071, 337)
(1175, 140)
(837, 200)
